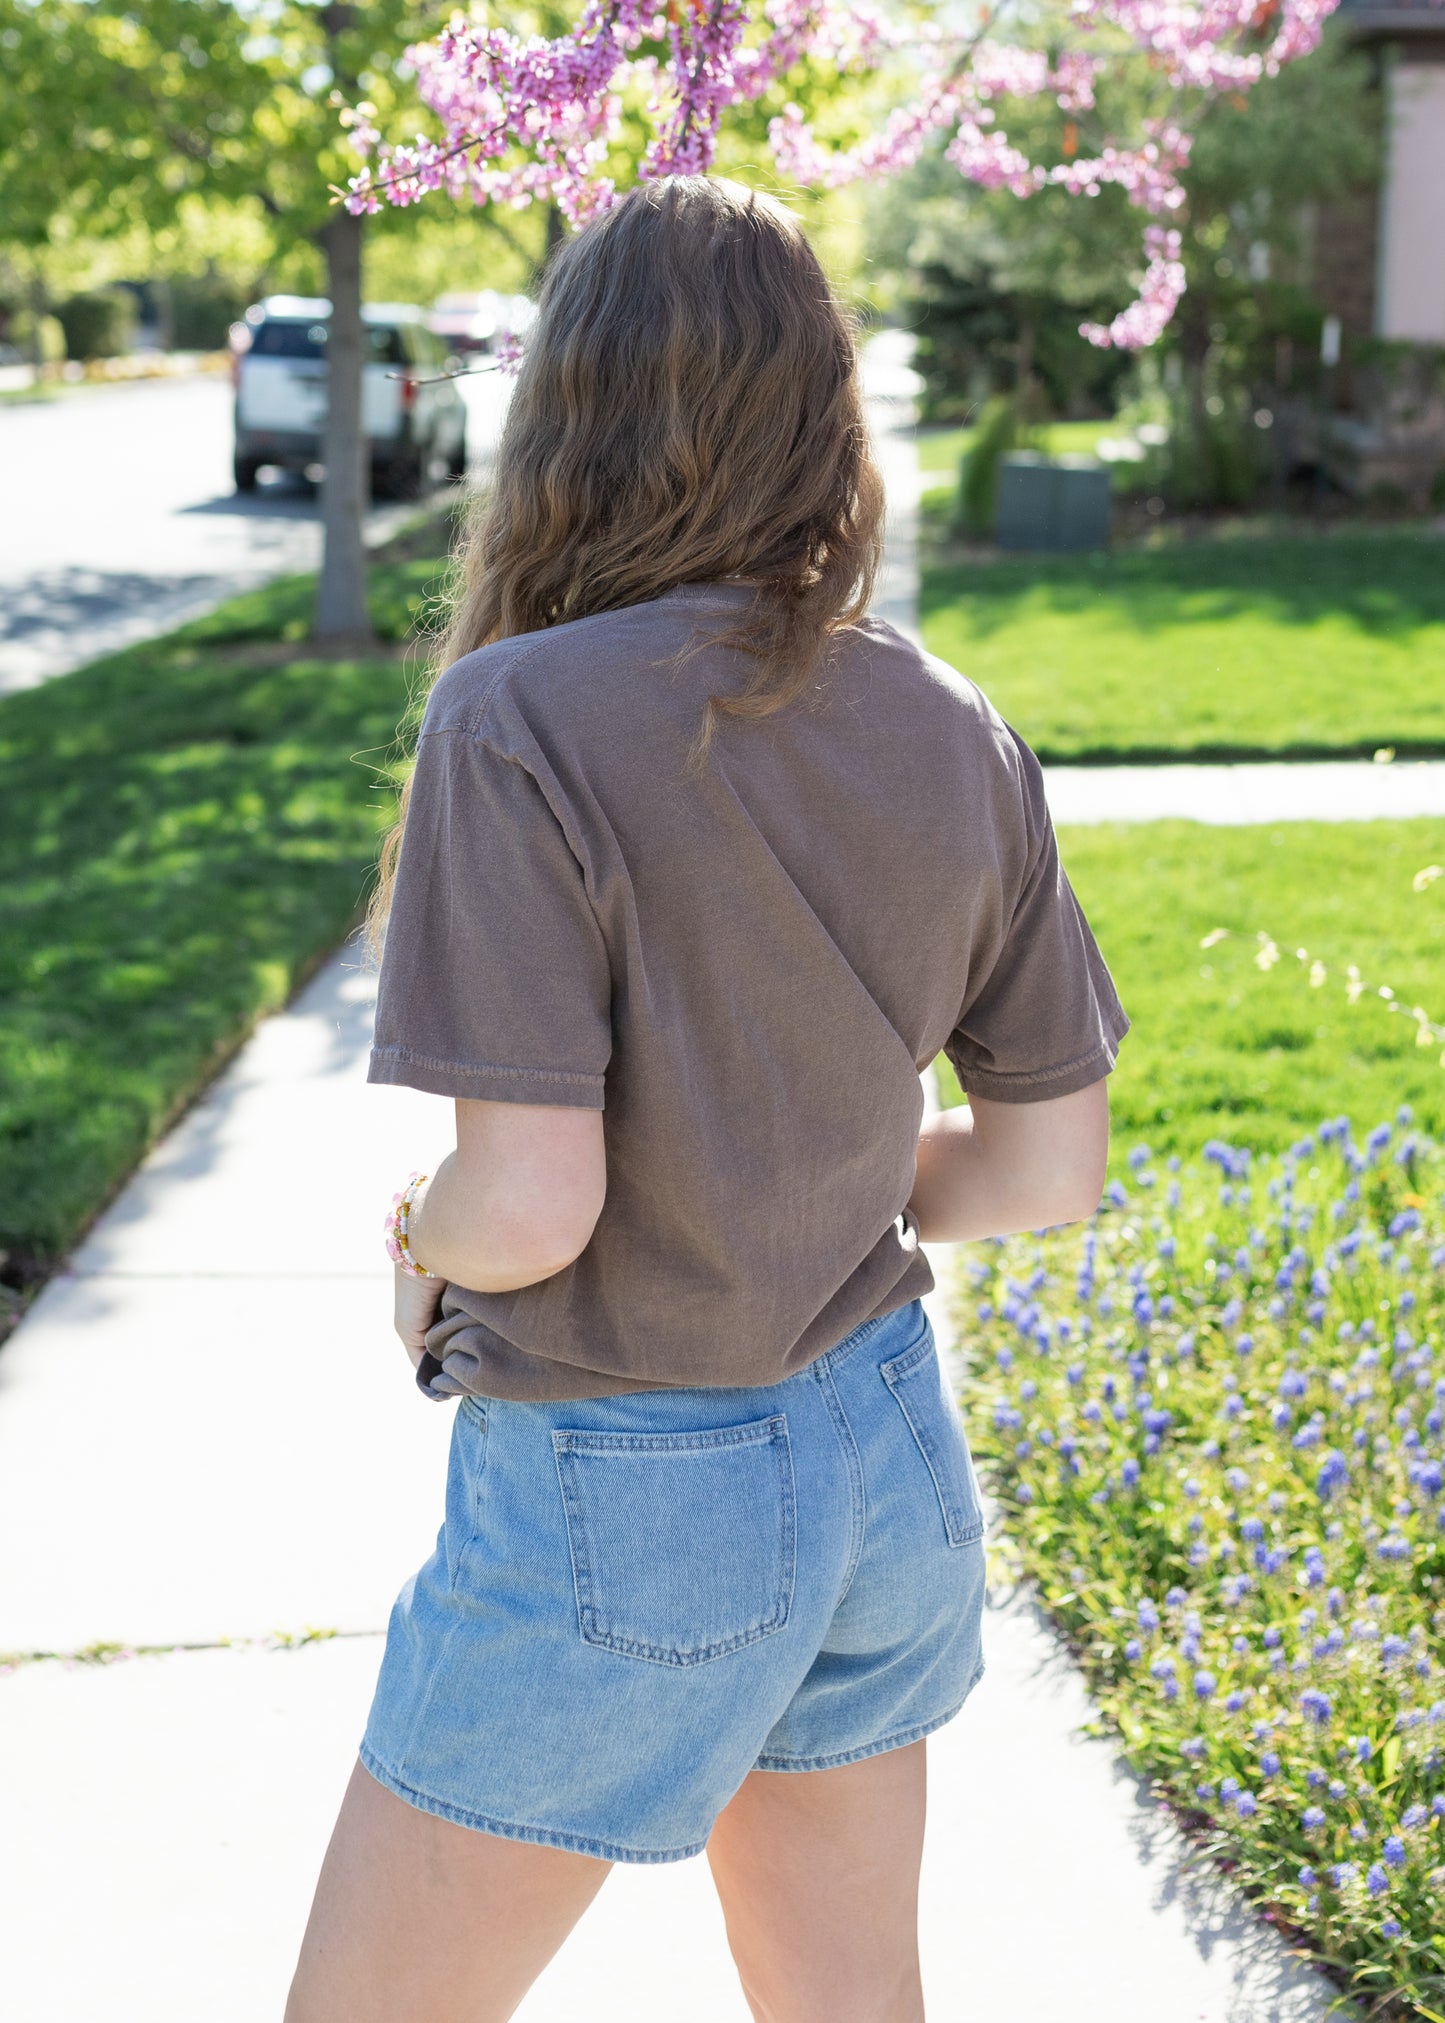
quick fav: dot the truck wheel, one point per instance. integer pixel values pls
(244, 470)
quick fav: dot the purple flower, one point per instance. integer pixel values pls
(1269, 1763)
(1316, 1706)
(1333, 1472)
(1246, 1805)
(1311, 1817)
(1307, 1877)
(1390, 1928)
(1376, 1881)
(1395, 1851)
(1204, 1684)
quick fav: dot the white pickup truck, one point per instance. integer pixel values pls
(413, 417)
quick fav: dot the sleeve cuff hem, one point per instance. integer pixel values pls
(484, 1081)
(1036, 1085)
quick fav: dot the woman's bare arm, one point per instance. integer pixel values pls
(996, 1168)
(517, 1200)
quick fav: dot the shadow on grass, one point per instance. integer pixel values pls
(188, 828)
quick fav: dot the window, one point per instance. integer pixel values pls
(385, 344)
(289, 340)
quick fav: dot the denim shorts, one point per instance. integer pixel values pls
(636, 1600)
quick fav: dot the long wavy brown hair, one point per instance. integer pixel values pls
(688, 411)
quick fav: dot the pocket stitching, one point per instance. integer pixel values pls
(960, 1527)
(772, 1433)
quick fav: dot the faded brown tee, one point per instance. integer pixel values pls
(743, 970)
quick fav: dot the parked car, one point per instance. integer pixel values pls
(473, 322)
(413, 417)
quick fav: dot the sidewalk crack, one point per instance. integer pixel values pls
(104, 1653)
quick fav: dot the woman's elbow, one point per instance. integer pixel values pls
(524, 1248)
(1079, 1201)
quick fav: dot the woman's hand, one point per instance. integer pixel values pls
(418, 1301)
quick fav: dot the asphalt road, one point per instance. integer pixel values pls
(118, 519)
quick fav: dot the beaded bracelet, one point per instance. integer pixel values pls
(398, 1220)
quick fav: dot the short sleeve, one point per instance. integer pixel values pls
(1042, 1018)
(495, 981)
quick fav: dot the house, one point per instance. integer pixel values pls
(1397, 290)
(1380, 273)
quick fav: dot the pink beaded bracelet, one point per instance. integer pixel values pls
(398, 1221)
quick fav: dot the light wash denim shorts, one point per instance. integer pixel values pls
(636, 1600)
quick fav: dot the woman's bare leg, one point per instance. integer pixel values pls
(416, 1917)
(817, 1872)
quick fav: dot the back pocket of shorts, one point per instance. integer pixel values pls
(915, 1381)
(683, 1545)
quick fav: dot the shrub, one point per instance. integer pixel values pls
(1213, 454)
(202, 309)
(100, 324)
(40, 338)
(1003, 426)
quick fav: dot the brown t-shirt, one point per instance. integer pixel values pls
(744, 970)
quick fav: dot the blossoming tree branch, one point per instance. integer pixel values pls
(530, 118)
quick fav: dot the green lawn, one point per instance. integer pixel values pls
(941, 449)
(186, 828)
(1213, 648)
(1221, 1048)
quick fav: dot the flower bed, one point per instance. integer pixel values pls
(1212, 1418)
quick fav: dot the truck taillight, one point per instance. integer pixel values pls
(408, 393)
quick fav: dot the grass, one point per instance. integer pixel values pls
(1212, 1420)
(1222, 1048)
(940, 450)
(1210, 649)
(187, 827)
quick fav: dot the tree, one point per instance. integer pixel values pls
(126, 112)
(994, 285)
(521, 117)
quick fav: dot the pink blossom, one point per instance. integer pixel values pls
(1147, 316)
(526, 119)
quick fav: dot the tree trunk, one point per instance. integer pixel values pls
(341, 613)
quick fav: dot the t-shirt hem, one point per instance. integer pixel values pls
(1033, 1085)
(485, 1081)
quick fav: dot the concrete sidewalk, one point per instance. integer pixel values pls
(204, 1437)
(201, 1440)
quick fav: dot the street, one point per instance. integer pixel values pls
(120, 520)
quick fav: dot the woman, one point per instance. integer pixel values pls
(701, 865)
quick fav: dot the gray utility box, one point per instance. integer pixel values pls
(1057, 507)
